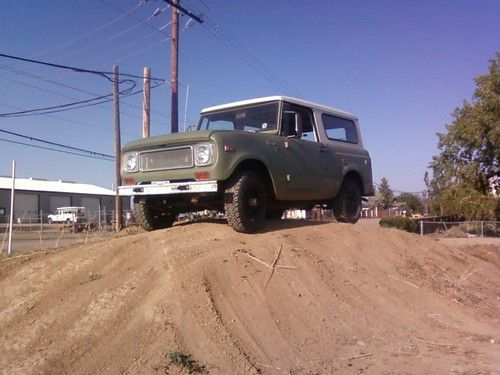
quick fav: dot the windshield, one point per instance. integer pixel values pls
(251, 119)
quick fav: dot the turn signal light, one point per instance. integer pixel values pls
(202, 176)
(129, 181)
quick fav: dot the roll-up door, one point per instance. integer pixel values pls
(57, 201)
(25, 206)
(91, 205)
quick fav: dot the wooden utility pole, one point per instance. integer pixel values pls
(174, 58)
(118, 180)
(146, 104)
(174, 66)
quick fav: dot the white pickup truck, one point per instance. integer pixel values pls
(67, 215)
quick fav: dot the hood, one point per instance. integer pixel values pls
(168, 140)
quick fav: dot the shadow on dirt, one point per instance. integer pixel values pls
(269, 226)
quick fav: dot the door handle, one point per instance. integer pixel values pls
(322, 147)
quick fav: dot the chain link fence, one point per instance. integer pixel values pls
(44, 232)
(461, 229)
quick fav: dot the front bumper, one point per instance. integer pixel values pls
(167, 188)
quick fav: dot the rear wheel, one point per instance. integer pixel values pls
(245, 201)
(49, 221)
(347, 204)
(151, 215)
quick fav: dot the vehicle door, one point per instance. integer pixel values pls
(58, 216)
(306, 157)
(343, 140)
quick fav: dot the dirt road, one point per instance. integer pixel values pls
(340, 299)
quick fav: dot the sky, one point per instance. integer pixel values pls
(400, 66)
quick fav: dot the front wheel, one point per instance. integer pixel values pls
(347, 204)
(49, 221)
(151, 215)
(245, 202)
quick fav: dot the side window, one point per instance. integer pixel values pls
(288, 122)
(307, 127)
(339, 129)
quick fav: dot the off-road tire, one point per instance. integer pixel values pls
(245, 202)
(68, 221)
(49, 221)
(274, 214)
(346, 205)
(150, 217)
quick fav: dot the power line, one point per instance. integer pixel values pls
(400, 191)
(53, 149)
(253, 61)
(82, 103)
(141, 50)
(68, 106)
(94, 153)
(33, 76)
(91, 32)
(101, 41)
(256, 64)
(67, 86)
(69, 120)
(133, 17)
(56, 108)
(103, 74)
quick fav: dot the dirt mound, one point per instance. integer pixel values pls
(301, 298)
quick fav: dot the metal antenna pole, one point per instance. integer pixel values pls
(186, 108)
(12, 197)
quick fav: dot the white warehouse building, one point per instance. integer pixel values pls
(34, 195)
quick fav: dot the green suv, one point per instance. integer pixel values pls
(252, 159)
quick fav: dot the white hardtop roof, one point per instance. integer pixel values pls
(276, 98)
(32, 184)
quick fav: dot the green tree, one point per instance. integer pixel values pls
(469, 153)
(384, 196)
(413, 202)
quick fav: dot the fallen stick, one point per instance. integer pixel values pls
(269, 366)
(359, 356)
(258, 260)
(274, 264)
(430, 342)
(268, 265)
(27, 256)
(403, 281)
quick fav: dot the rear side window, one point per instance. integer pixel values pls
(339, 129)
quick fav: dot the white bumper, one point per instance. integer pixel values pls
(165, 187)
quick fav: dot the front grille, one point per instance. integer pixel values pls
(173, 158)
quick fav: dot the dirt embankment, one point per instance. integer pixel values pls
(340, 298)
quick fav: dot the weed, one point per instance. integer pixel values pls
(185, 361)
(93, 276)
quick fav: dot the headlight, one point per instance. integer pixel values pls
(130, 162)
(203, 154)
